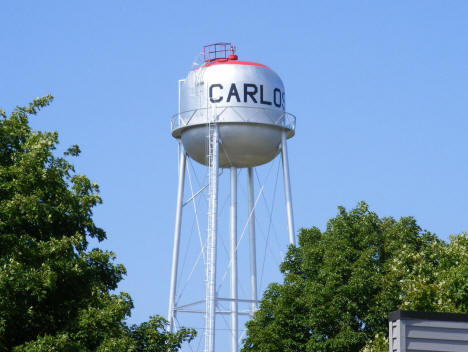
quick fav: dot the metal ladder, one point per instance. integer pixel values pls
(212, 157)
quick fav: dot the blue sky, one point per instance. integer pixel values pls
(379, 89)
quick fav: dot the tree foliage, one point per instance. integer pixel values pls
(55, 293)
(340, 284)
(435, 280)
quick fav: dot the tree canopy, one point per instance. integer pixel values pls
(340, 284)
(55, 293)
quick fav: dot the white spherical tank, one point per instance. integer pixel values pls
(246, 101)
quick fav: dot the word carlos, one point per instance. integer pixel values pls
(251, 93)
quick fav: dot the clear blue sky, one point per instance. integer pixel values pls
(379, 88)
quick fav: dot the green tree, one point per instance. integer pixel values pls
(340, 285)
(435, 280)
(437, 277)
(55, 293)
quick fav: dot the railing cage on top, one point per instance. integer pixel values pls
(218, 51)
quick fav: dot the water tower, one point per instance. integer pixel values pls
(231, 115)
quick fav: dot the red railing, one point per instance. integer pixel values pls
(218, 51)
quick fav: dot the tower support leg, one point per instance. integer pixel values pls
(287, 188)
(175, 251)
(233, 259)
(210, 295)
(252, 244)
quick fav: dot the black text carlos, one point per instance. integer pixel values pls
(248, 93)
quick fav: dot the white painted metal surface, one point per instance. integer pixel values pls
(231, 115)
(250, 100)
(233, 259)
(175, 254)
(287, 189)
(253, 250)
